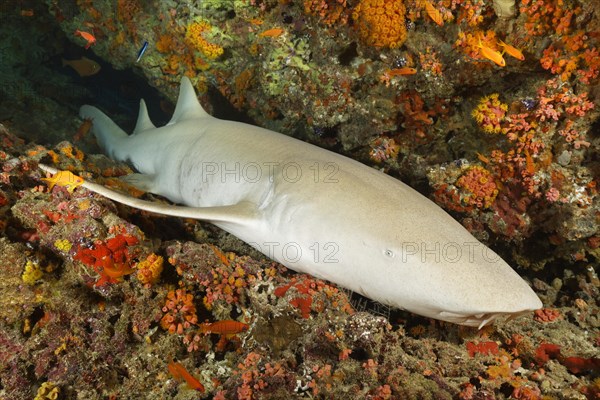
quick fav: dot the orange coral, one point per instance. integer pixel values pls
(546, 315)
(180, 311)
(72, 152)
(227, 285)
(127, 10)
(591, 59)
(381, 23)
(499, 371)
(481, 188)
(430, 61)
(469, 11)
(330, 12)
(548, 16)
(572, 56)
(195, 38)
(575, 365)
(448, 197)
(310, 294)
(558, 62)
(165, 44)
(243, 82)
(416, 117)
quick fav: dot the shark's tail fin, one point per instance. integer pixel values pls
(110, 137)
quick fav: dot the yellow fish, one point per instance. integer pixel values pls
(512, 51)
(65, 179)
(491, 54)
(84, 66)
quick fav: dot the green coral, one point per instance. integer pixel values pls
(284, 59)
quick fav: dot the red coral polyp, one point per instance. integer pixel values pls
(110, 259)
(485, 348)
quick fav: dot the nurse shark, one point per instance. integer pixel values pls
(314, 211)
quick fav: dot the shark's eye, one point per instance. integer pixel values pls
(389, 253)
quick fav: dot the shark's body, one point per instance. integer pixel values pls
(316, 212)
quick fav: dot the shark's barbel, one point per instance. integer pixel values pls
(314, 211)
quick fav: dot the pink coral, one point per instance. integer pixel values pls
(556, 100)
(552, 195)
(570, 134)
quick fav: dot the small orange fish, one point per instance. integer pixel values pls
(483, 158)
(529, 162)
(491, 54)
(220, 254)
(226, 327)
(434, 13)
(91, 39)
(83, 129)
(84, 66)
(274, 32)
(402, 71)
(511, 51)
(181, 374)
(116, 273)
(65, 179)
(27, 13)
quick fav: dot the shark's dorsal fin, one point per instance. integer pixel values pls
(188, 106)
(143, 121)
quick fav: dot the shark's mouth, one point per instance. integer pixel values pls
(477, 320)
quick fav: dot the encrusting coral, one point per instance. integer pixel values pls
(195, 37)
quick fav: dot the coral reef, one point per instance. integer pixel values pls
(489, 107)
(86, 330)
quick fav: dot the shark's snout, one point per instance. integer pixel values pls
(490, 301)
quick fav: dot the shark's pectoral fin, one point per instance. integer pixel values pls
(239, 213)
(143, 182)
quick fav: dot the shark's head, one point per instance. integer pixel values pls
(411, 254)
(458, 279)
